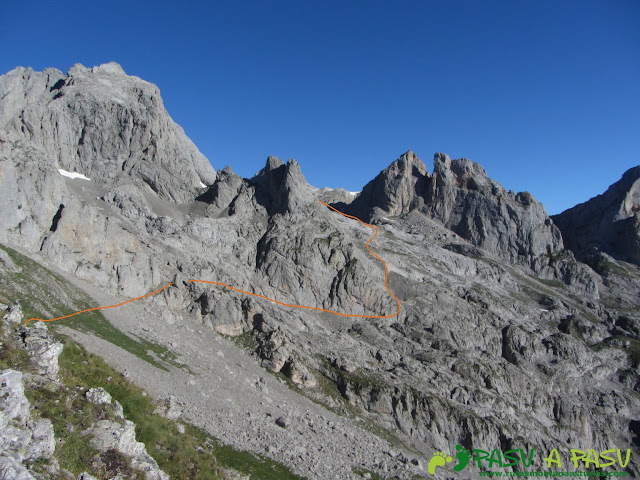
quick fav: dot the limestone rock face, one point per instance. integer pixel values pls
(14, 405)
(461, 196)
(11, 469)
(43, 348)
(608, 223)
(21, 439)
(513, 226)
(397, 189)
(105, 125)
(31, 192)
(170, 409)
(98, 396)
(281, 188)
(224, 190)
(12, 316)
(107, 434)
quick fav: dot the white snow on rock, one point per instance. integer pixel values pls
(64, 173)
(329, 189)
(202, 185)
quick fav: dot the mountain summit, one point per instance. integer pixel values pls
(608, 223)
(464, 199)
(103, 124)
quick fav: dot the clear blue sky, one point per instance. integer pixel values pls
(545, 95)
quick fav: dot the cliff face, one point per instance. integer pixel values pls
(608, 223)
(465, 200)
(503, 338)
(104, 124)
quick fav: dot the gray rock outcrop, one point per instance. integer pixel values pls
(514, 226)
(22, 440)
(170, 409)
(609, 222)
(43, 348)
(399, 188)
(107, 434)
(98, 396)
(461, 196)
(12, 317)
(103, 124)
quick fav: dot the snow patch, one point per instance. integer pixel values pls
(64, 173)
(202, 185)
(329, 189)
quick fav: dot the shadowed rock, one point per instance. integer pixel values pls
(609, 222)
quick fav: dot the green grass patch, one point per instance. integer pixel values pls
(551, 283)
(633, 350)
(606, 267)
(75, 453)
(45, 294)
(257, 466)
(363, 471)
(14, 358)
(192, 455)
(246, 341)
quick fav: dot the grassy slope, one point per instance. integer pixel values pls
(191, 455)
(45, 294)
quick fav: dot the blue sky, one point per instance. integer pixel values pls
(545, 95)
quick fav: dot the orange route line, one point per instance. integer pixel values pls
(99, 308)
(386, 275)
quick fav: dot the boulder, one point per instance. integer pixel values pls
(107, 434)
(43, 348)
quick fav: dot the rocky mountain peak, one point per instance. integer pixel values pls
(441, 161)
(630, 183)
(608, 223)
(406, 163)
(281, 187)
(398, 189)
(106, 125)
(111, 68)
(514, 226)
(295, 178)
(464, 199)
(463, 173)
(273, 163)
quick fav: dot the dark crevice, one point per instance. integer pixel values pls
(634, 428)
(56, 218)
(82, 135)
(58, 85)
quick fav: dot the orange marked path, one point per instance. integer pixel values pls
(386, 275)
(99, 308)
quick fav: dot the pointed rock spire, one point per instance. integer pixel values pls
(280, 188)
(398, 189)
